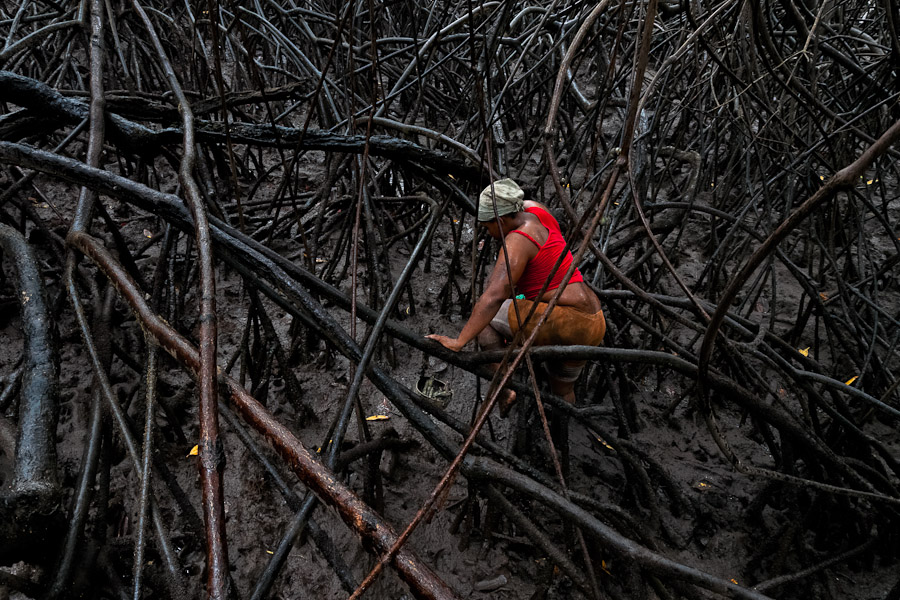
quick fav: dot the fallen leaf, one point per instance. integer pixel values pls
(734, 581)
(270, 552)
(604, 567)
(823, 296)
(804, 351)
(378, 418)
(602, 441)
(851, 380)
(194, 451)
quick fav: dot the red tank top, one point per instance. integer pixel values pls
(538, 268)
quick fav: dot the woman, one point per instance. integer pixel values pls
(533, 244)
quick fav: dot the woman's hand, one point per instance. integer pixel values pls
(446, 342)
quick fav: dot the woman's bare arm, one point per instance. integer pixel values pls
(498, 288)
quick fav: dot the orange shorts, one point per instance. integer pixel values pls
(564, 326)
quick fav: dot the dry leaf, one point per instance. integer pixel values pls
(378, 418)
(602, 441)
(804, 351)
(194, 451)
(851, 380)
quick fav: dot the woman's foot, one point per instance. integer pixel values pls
(506, 400)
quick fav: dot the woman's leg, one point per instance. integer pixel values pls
(490, 339)
(559, 425)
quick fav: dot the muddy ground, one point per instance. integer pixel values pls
(717, 119)
(705, 517)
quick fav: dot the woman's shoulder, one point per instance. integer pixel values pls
(535, 227)
(535, 204)
(546, 217)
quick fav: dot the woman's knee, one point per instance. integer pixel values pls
(490, 338)
(563, 389)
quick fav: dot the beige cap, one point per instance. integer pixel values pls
(507, 197)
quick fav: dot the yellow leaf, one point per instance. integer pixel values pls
(869, 182)
(805, 351)
(734, 581)
(851, 380)
(822, 177)
(378, 418)
(270, 552)
(823, 296)
(602, 441)
(604, 567)
(194, 451)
